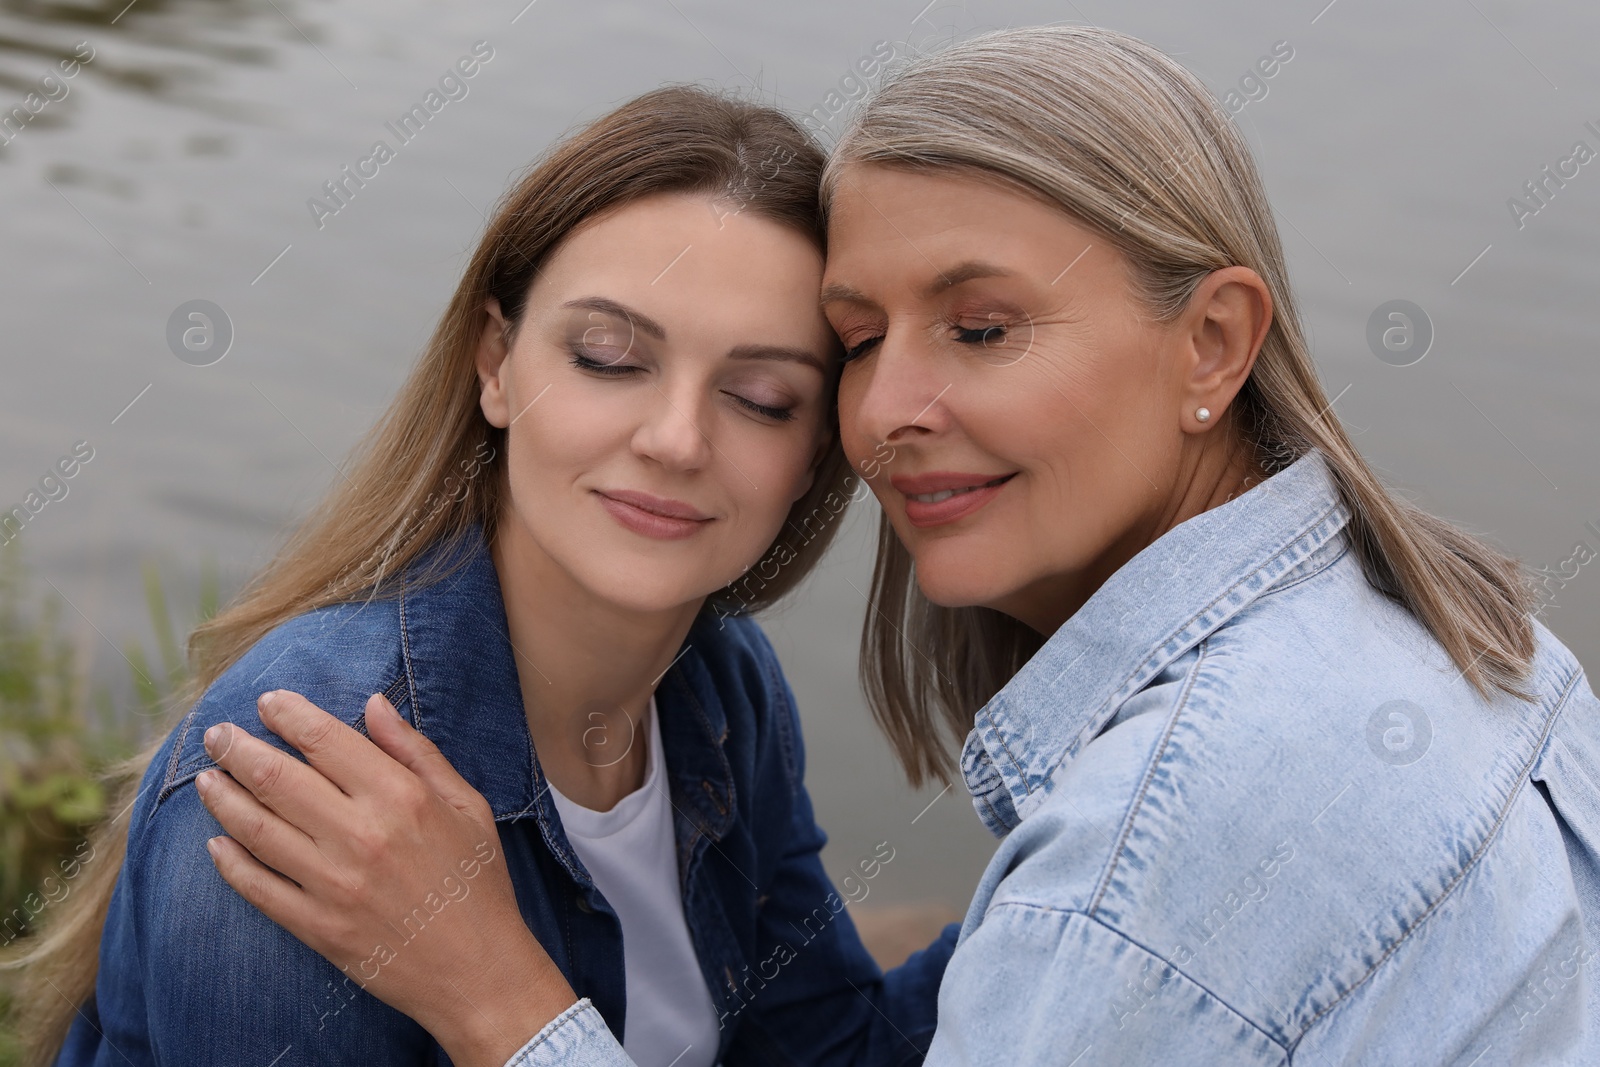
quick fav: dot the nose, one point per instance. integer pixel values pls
(896, 394)
(673, 432)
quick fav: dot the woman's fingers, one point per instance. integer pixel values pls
(337, 750)
(277, 897)
(298, 793)
(275, 842)
(422, 757)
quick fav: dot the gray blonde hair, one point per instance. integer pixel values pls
(1135, 148)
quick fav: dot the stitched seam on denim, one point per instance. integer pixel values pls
(411, 681)
(1466, 868)
(781, 723)
(555, 1024)
(984, 723)
(394, 688)
(390, 692)
(1178, 631)
(1022, 773)
(1179, 971)
(1225, 594)
(181, 772)
(727, 768)
(405, 652)
(686, 857)
(567, 855)
(992, 820)
(1144, 784)
(1274, 591)
(1161, 646)
(731, 813)
(172, 765)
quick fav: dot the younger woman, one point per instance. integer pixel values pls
(625, 409)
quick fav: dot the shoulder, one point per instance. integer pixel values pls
(1294, 796)
(336, 657)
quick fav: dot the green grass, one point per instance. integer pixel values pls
(55, 740)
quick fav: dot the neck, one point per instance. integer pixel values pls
(587, 669)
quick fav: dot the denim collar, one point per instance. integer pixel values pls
(1159, 605)
(464, 695)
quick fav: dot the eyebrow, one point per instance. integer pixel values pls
(779, 353)
(966, 271)
(621, 311)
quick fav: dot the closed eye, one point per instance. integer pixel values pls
(776, 414)
(982, 335)
(860, 348)
(610, 370)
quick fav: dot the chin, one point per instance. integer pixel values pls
(954, 582)
(647, 587)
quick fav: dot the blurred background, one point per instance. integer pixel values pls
(1423, 160)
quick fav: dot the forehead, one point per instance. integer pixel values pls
(693, 230)
(934, 230)
(703, 269)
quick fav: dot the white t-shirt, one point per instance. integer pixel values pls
(631, 853)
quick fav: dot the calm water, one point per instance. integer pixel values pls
(177, 164)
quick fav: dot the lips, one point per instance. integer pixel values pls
(942, 497)
(653, 516)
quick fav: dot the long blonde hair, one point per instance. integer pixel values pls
(1134, 147)
(433, 465)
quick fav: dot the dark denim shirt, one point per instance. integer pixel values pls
(190, 973)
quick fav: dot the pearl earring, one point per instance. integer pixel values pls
(1203, 414)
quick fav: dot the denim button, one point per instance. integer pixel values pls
(583, 904)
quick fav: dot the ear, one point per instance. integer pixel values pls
(1221, 333)
(493, 367)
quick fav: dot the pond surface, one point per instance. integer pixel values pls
(177, 165)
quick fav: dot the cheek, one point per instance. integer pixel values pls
(567, 431)
(772, 469)
(858, 446)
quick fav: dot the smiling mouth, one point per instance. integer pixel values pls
(946, 494)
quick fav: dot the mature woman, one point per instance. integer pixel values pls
(538, 558)
(1284, 769)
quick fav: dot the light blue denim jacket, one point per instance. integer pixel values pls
(1253, 814)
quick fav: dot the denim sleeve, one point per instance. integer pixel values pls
(1050, 986)
(578, 1037)
(195, 974)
